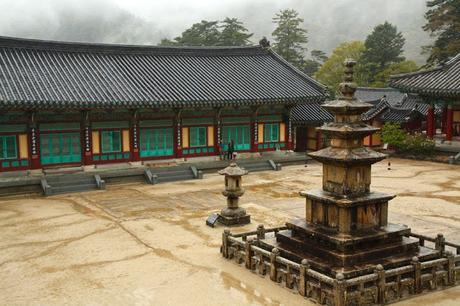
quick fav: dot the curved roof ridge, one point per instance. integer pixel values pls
(445, 65)
(377, 88)
(298, 71)
(76, 46)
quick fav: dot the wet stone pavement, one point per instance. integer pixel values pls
(137, 244)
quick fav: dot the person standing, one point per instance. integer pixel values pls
(221, 150)
(230, 150)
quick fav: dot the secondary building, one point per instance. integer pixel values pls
(439, 86)
(72, 104)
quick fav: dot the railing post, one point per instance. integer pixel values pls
(304, 266)
(289, 278)
(381, 284)
(249, 253)
(450, 268)
(260, 231)
(261, 264)
(417, 273)
(224, 250)
(273, 265)
(440, 243)
(339, 290)
(421, 241)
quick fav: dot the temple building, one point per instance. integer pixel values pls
(438, 86)
(388, 105)
(78, 104)
(305, 119)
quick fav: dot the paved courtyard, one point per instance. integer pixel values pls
(137, 244)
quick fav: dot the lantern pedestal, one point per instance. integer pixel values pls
(234, 216)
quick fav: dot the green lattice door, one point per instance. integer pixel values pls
(60, 148)
(156, 142)
(240, 134)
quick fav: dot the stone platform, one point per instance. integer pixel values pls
(233, 221)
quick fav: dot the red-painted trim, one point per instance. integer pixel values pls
(444, 116)
(135, 153)
(449, 123)
(430, 122)
(113, 161)
(87, 157)
(35, 162)
(52, 166)
(156, 158)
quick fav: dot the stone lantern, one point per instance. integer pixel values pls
(232, 214)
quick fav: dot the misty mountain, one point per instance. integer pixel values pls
(329, 22)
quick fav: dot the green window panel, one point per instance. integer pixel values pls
(240, 134)
(156, 142)
(8, 147)
(198, 136)
(271, 132)
(60, 148)
(111, 141)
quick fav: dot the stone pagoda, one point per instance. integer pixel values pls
(344, 251)
(346, 227)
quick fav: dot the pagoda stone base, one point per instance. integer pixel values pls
(338, 250)
(378, 277)
(233, 221)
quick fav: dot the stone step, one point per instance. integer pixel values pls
(175, 178)
(72, 188)
(69, 180)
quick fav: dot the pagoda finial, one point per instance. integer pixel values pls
(348, 86)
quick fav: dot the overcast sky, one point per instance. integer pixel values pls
(329, 22)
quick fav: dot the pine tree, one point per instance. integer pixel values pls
(443, 22)
(289, 36)
(204, 33)
(233, 33)
(384, 46)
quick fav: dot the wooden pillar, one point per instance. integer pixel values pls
(134, 131)
(217, 130)
(449, 122)
(444, 119)
(288, 129)
(254, 130)
(430, 123)
(178, 133)
(34, 145)
(318, 140)
(86, 136)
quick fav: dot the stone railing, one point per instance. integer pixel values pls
(380, 287)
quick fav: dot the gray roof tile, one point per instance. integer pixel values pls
(442, 81)
(45, 74)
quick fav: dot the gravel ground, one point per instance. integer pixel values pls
(138, 244)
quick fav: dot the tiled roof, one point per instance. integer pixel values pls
(376, 110)
(399, 115)
(45, 74)
(310, 113)
(412, 101)
(443, 81)
(370, 94)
